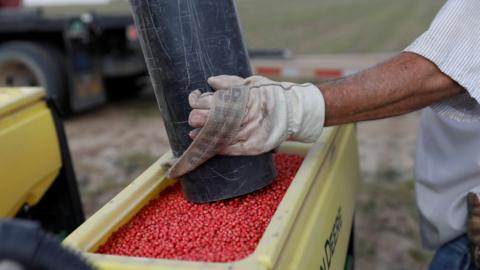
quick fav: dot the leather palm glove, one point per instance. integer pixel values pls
(473, 226)
(275, 112)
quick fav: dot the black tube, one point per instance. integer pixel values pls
(26, 245)
(185, 42)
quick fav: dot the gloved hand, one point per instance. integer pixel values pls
(276, 111)
(473, 226)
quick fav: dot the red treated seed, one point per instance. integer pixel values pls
(170, 227)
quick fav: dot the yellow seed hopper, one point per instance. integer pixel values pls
(311, 228)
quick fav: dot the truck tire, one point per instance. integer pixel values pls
(28, 64)
(25, 246)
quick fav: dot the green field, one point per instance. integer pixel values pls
(335, 26)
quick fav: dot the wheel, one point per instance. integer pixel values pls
(29, 64)
(25, 246)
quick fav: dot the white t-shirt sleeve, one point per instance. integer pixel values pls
(453, 43)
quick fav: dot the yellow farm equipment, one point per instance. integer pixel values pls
(311, 228)
(36, 174)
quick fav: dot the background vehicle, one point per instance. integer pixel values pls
(79, 53)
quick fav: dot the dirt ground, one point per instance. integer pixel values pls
(114, 144)
(386, 224)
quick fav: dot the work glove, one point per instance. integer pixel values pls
(473, 226)
(275, 112)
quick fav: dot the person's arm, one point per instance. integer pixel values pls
(403, 84)
(276, 111)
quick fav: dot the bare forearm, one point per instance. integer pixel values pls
(403, 84)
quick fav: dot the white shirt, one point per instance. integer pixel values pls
(448, 146)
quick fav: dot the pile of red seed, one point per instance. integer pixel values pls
(170, 227)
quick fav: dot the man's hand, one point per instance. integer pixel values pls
(275, 111)
(473, 226)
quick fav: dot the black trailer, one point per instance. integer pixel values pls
(80, 57)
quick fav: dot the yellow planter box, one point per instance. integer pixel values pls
(30, 157)
(310, 229)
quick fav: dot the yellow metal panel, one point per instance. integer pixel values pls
(319, 238)
(29, 152)
(15, 98)
(310, 229)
